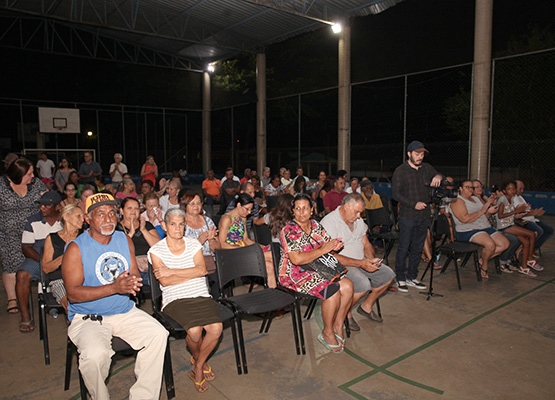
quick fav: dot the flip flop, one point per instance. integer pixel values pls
(26, 326)
(198, 386)
(14, 309)
(330, 347)
(526, 271)
(206, 378)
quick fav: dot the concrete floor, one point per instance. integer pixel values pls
(492, 340)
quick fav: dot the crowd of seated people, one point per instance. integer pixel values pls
(156, 214)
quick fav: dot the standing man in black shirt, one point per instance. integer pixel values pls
(410, 181)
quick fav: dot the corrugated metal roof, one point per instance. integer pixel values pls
(200, 31)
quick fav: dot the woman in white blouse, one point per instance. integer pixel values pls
(178, 264)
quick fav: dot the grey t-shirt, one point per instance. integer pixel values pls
(337, 228)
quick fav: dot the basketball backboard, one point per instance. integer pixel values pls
(59, 120)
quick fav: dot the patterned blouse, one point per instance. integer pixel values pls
(293, 238)
(195, 233)
(14, 211)
(236, 232)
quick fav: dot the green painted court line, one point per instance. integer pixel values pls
(383, 368)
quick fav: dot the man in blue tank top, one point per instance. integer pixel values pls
(100, 272)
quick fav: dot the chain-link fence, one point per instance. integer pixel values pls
(432, 106)
(523, 120)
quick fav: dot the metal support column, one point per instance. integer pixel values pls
(344, 101)
(261, 112)
(481, 90)
(206, 134)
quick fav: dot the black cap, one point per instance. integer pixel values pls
(50, 197)
(415, 145)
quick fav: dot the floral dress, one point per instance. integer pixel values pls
(14, 211)
(293, 238)
(236, 232)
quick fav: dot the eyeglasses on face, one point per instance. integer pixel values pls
(468, 187)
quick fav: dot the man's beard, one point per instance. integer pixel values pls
(109, 232)
(412, 160)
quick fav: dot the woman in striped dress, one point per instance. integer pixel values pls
(178, 264)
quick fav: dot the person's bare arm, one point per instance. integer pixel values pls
(29, 252)
(73, 276)
(151, 236)
(502, 214)
(49, 264)
(173, 276)
(304, 257)
(223, 228)
(460, 211)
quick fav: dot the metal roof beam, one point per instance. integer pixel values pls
(58, 38)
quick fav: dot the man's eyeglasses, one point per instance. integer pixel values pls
(468, 187)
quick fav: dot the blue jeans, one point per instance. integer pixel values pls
(544, 232)
(412, 234)
(508, 254)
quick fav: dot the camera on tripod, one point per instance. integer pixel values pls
(445, 189)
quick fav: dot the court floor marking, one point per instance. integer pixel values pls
(383, 368)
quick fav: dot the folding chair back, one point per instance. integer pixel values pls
(378, 216)
(155, 291)
(239, 262)
(442, 227)
(262, 234)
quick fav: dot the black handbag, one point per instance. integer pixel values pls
(327, 266)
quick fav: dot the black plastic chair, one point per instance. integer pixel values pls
(118, 345)
(380, 216)
(276, 255)
(174, 328)
(249, 261)
(262, 234)
(454, 248)
(47, 302)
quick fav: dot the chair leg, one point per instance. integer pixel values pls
(466, 258)
(310, 308)
(242, 341)
(69, 355)
(497, 265)
(295, 329)
(264, 322)
(390, 245)
(378, 307)
(300, 324)
(168, 372)
(450, 257)
(236, 345)
(457, 271)
(347, 329)
(477, 266)
(82, 387)
(270, 319)
(44, 332)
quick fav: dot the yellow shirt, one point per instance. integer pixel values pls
(373, 203)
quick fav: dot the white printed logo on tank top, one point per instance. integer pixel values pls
(109, 265)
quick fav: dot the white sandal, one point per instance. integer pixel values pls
(534, 265)
(526, 271)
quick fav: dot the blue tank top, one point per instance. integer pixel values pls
(102, 263)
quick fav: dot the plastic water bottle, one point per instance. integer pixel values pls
(54, 313)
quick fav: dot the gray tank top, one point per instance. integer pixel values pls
(471, 207)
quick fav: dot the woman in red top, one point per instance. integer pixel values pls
(149, 170)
